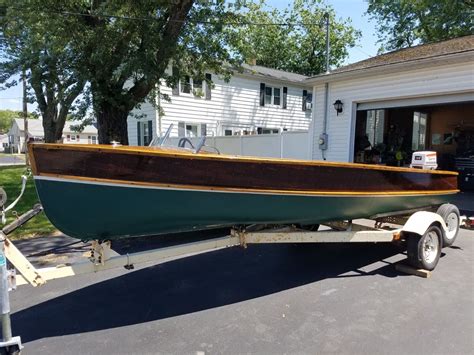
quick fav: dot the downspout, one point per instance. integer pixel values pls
(323, 139)
(324, 135)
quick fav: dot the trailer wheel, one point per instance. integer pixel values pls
(451, 217)
(10, 350)
(424, 250)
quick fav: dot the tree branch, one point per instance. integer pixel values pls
(179, 12)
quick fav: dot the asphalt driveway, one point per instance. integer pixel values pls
(12, 159)
(265, 299)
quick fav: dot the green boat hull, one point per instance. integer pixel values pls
(88, 211)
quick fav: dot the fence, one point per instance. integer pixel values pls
(294, 145)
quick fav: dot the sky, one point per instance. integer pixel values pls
(354, 9)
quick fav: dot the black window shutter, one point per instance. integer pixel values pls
(208, 86)
(285, 94)
(262, 94)
(150, 132)
(305, 95)
(203, 130)
(175, 90)
(139, 136)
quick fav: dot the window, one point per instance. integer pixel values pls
(195, 86)
(144, 132)
(231, 130)
(309, 102)
(68, 137)
(191, 130)
(276, 96)
(186, 84)
(420, 120)
(72, 138)
(262, 130)
(268, 95)
(272, 96)
(92, 139)
(375, 127)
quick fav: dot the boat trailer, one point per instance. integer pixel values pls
(425, 233)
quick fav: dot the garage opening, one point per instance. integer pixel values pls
(389, 136)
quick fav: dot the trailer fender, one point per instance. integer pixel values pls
(420, 221)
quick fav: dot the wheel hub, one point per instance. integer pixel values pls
(452, 224)
(430, 247)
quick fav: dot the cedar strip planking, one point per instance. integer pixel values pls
(208, 171)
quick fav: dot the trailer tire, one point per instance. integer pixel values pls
(424, 250)
(10, 350)
(452, 218)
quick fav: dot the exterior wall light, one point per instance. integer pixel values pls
(338, 106)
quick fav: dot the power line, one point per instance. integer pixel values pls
(364, 52)
(133, 18)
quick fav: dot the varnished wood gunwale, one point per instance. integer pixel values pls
(248, 174)
(171, 152)
(236, 190)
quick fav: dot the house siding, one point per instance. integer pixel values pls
(235, 103)
(435, 80)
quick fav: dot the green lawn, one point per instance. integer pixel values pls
(10, 181)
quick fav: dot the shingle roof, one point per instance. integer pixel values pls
(35, 127)
(273, 73)
(424, 51)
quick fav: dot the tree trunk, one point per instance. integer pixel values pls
(112, 124)
(53, 127)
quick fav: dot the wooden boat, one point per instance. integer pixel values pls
(106, 192)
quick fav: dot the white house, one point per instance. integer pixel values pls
(16, 134)
(3, 142)
(257, 101)
(390, 105)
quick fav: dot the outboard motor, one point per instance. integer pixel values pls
(424, 160)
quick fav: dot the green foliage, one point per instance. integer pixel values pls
(10, 181)
(404, 23)
(122, 49)
(7, 116)
(299, 47)
(114, 53)
(29, 45)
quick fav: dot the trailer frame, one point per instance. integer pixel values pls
(103, 257)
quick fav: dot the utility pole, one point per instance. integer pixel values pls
(25, 116)
(326, 17)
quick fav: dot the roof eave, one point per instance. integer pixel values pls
(392, 68)
(255, 75)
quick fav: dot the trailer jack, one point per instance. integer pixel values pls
(10, 344)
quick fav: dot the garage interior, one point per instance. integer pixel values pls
(389, 136)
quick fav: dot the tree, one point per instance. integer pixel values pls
(7, 117)
(120, 49)
(294, 39)
(47, 60)
(404, 23)
(124, 49)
